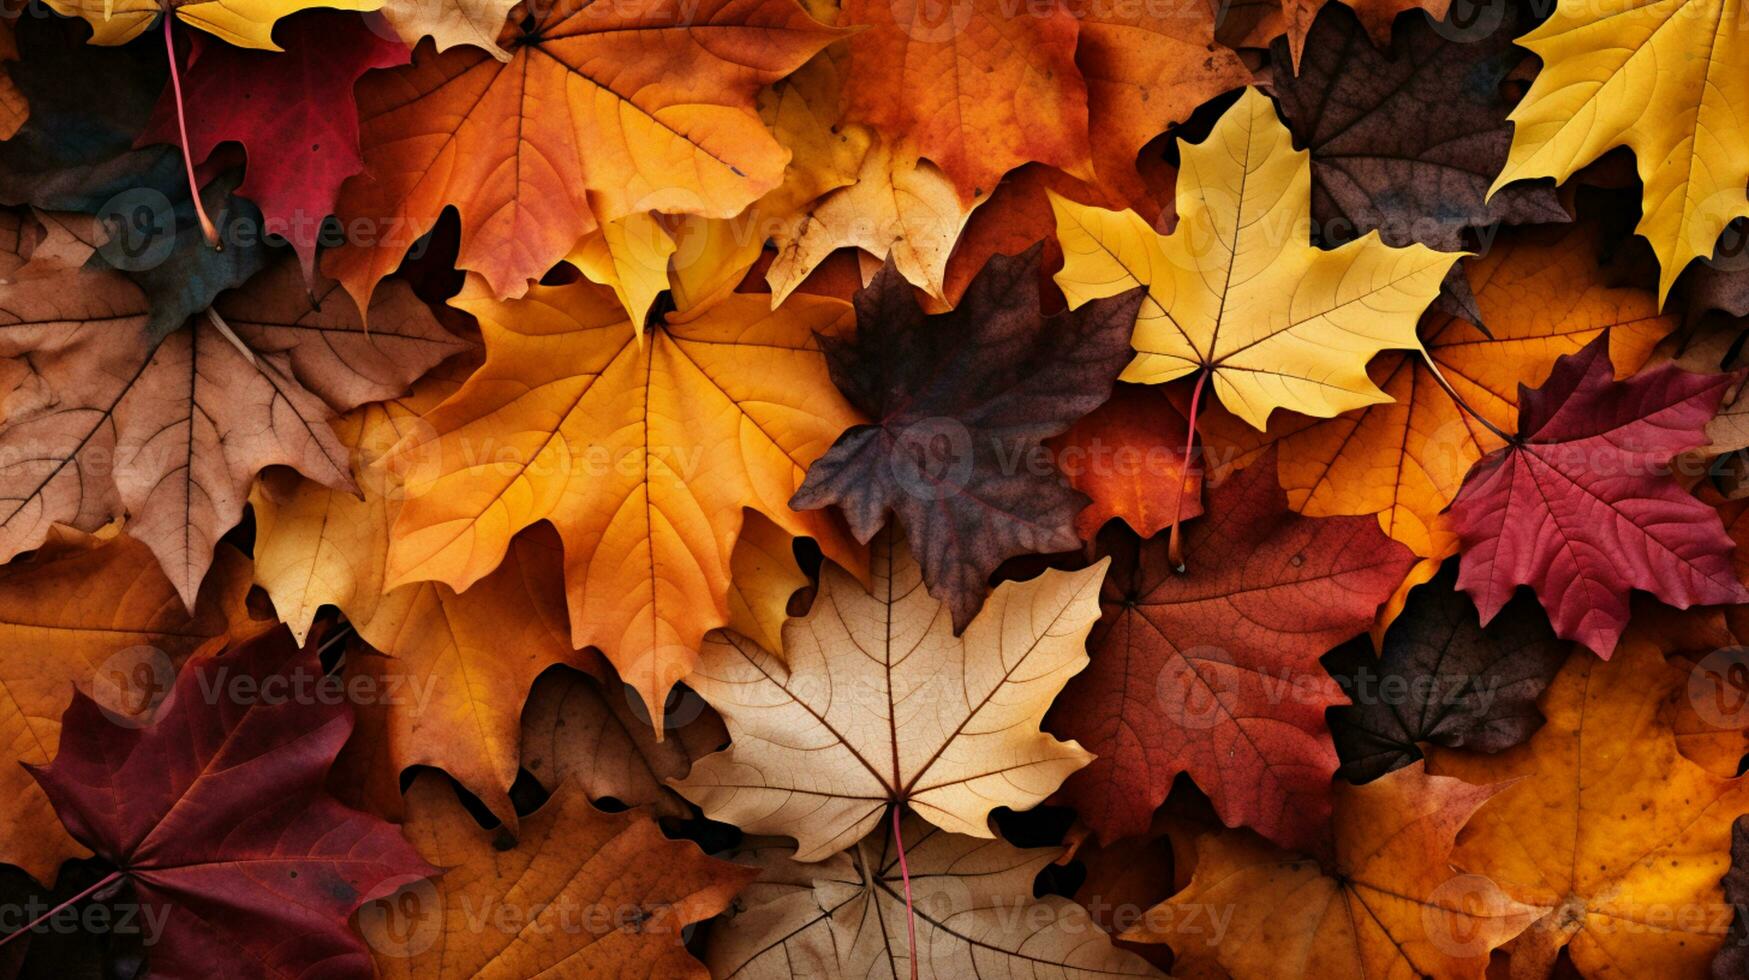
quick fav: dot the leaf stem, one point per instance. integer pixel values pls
(107, 880)
(206, 224)
(1175, 541)
(905, 872)
(1458, 399)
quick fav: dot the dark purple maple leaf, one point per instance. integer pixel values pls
(962, 402)
(1406, 142)
(217, 818)
(1582, 507)
(1443, 678)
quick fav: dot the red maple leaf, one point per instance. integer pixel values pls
(1582, 508)
(217, 817)
(1213, 670)
(293, 112)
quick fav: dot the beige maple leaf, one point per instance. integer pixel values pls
(876, 702)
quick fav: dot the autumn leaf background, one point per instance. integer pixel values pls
(874, 488)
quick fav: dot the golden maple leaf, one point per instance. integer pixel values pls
(1669, 79)
(642, 453)
(1238, 290)
(1608, 829)
(245, 23)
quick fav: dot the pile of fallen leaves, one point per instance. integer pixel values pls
(879, 488)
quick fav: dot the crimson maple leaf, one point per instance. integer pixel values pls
(217, 817)
(1581, 507)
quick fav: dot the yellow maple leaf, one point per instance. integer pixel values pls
(1238, 290)
(245, 23)
(1669, 79)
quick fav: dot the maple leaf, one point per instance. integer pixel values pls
(670, 128)
(1147, 67)
(975, 915)
(1238, 292)
(1614, 74)
(1579, 509)
(586, 730)
(96, 614)
(978, 91)
(450, 23)
(173, 431)
(1542, 295)
(960, 404)
(642, 453)
(582, 893)
(220, 802)
(1441, 677)
(77, 153)
(293, 112)
(459, 665)
(1214, 671)
(847, 186)
(1122, 455)
(900, 207)
(244, 23)
(1605, 826)
(1387, 905)
(1406, 141)
(874, 702)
